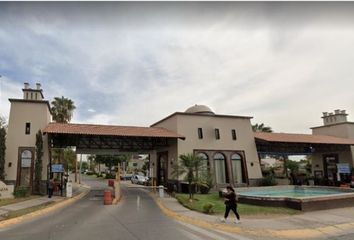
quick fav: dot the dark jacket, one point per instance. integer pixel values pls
(231, 198)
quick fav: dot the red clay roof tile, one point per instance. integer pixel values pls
(302, 138)
(109, 130)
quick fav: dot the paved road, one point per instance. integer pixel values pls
(136, 217)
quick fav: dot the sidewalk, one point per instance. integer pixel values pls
(318, 224)
(44, 200)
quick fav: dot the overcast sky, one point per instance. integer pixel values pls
(135, 63)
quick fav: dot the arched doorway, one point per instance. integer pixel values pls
(162, 163)
(25, 168)
(237, 168)
(220, 168)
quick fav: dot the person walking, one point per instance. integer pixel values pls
(230, 204)
(50, 187)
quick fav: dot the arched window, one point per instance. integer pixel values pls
(220, 173)
(236, 162)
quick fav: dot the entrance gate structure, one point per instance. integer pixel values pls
(109, 139)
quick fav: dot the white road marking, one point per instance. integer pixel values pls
(190, 235)
(138, 202)
(234, 235)
(204, 232)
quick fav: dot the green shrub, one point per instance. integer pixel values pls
(21, 191)
(208, 207)
(268, 180)
(110, 176)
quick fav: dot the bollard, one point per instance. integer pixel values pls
(161, 191)
(107, 197)
(69, 189)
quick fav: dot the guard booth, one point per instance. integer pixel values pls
(56, 171)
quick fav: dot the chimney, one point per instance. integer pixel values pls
(38, 86)
(26, 85)
(339, 116)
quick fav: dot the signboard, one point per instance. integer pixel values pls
(6, 191)
(57, 168)
(343, 168)
(26, 162)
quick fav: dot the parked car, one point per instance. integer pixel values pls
(126, 176)
(139, 178)
(352, 182)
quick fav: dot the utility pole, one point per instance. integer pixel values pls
(76, 168)
(80, 168)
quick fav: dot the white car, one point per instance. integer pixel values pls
(139, 179)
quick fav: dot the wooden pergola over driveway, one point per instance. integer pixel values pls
(299, 144)
(88, 138)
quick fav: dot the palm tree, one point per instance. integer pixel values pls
(261, 128)
(62, 112)
(62, 109)
(189, 165)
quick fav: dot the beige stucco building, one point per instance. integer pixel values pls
(27, 116)
(334, 124)
(226, 143)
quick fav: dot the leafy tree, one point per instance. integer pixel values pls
(84, 165)
(92, 161)
(110, 160)
(188, 165)
(3, 122)
(261, 128)
(38, 162)
(3, 127)
(69, 158)
(293, 166)
(2, 152)
(62, 109)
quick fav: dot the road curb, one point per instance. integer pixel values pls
(305, 233)
(54, 207)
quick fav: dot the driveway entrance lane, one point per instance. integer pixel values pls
(136, 217)
(143, 218)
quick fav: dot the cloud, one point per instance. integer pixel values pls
(135, 63)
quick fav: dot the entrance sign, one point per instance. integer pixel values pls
(343, 168)
(6, 191)
(57, 168)
(26, 162)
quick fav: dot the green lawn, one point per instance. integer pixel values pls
(13, 214)
(8, 201)
(219, 206)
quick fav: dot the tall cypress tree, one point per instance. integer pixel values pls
(2, 152)
(38, 162)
